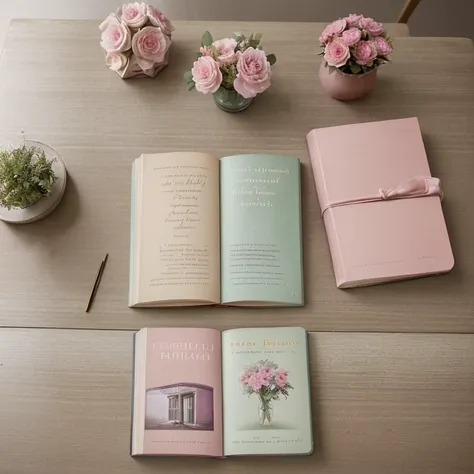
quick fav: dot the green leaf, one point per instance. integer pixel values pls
(332, 69)
(356, 69)
(188, 76)
(257, 37)
(191, 85)
(271, 58)
(238, 37)
(206, 39)
(198, 55)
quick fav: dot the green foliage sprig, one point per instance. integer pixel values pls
(26, 176)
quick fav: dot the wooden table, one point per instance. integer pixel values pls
(383, 401)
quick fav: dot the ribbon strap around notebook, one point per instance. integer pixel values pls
(421, 186)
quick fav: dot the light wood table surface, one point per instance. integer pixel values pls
(55, 86)
(384, 400)
(383, 404)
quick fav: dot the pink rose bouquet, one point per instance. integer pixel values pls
(268, 382)
(229, 68)
(355, 44)
(136, 40)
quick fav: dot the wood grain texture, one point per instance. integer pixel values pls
(386, 403)
(55, 86)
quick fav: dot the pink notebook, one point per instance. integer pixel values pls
(384, 239)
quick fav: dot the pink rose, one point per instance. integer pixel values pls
(337, 27)
(373, 27)
(208, 78)
(383, 46)
(351, 36)
(116, 61)
(157, 18)
(337, 53)
(365, 52)
(352, 19)
(253, 73)
(205, 50)
(331, 30)
(115, 36)
(133, 14)
(226, 50)
(326, 35)
(150, 46)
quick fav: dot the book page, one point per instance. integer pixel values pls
(178, 229)
(261, 249)
(183, 392)
(267, 408)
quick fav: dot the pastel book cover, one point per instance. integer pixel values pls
(380, 204)
(210, 231)
(198, 392)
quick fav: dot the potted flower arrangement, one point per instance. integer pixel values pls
(233, 69)
(353, 48)
(32, 181)
(136, 40)
(266, 380)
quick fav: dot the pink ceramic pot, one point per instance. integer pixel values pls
(342, 86)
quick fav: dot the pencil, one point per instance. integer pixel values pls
(96, 282)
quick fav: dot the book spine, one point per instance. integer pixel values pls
(131, 294)
(133, 394)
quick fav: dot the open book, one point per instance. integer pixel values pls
(203, 393)
(215, 231)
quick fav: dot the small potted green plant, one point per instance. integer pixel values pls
(29, 175)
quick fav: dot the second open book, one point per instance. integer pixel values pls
(205, 393)
(206, 230)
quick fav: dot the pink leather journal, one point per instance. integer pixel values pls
(380, 205)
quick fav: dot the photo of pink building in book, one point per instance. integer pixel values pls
(181, 406)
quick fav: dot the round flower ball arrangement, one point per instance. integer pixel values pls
(136, 40)
(234, 70)
(353, 48)
(32, 181)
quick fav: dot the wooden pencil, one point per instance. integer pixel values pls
(96, 282)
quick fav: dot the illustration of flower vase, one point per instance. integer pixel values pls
(265, 379)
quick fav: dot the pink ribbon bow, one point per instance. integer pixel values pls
(420, 186)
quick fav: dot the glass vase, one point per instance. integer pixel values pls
(265, 412)
(230, 101)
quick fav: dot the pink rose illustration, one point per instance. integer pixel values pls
(226, 49)
(373, 27)
(365, 52)
(253, 73)
(337, 53)
(351, 36)
(116, 61)
(352, 19)
(245, 376)
(133, 14)
(254, 382)
(150, 46)
(208, 78)
(157, 18)
(280, 377)
(382, 45)
(115, 36)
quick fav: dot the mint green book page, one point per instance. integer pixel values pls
(266, 392)
(261, 246)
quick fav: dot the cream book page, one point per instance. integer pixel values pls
(175, 230)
